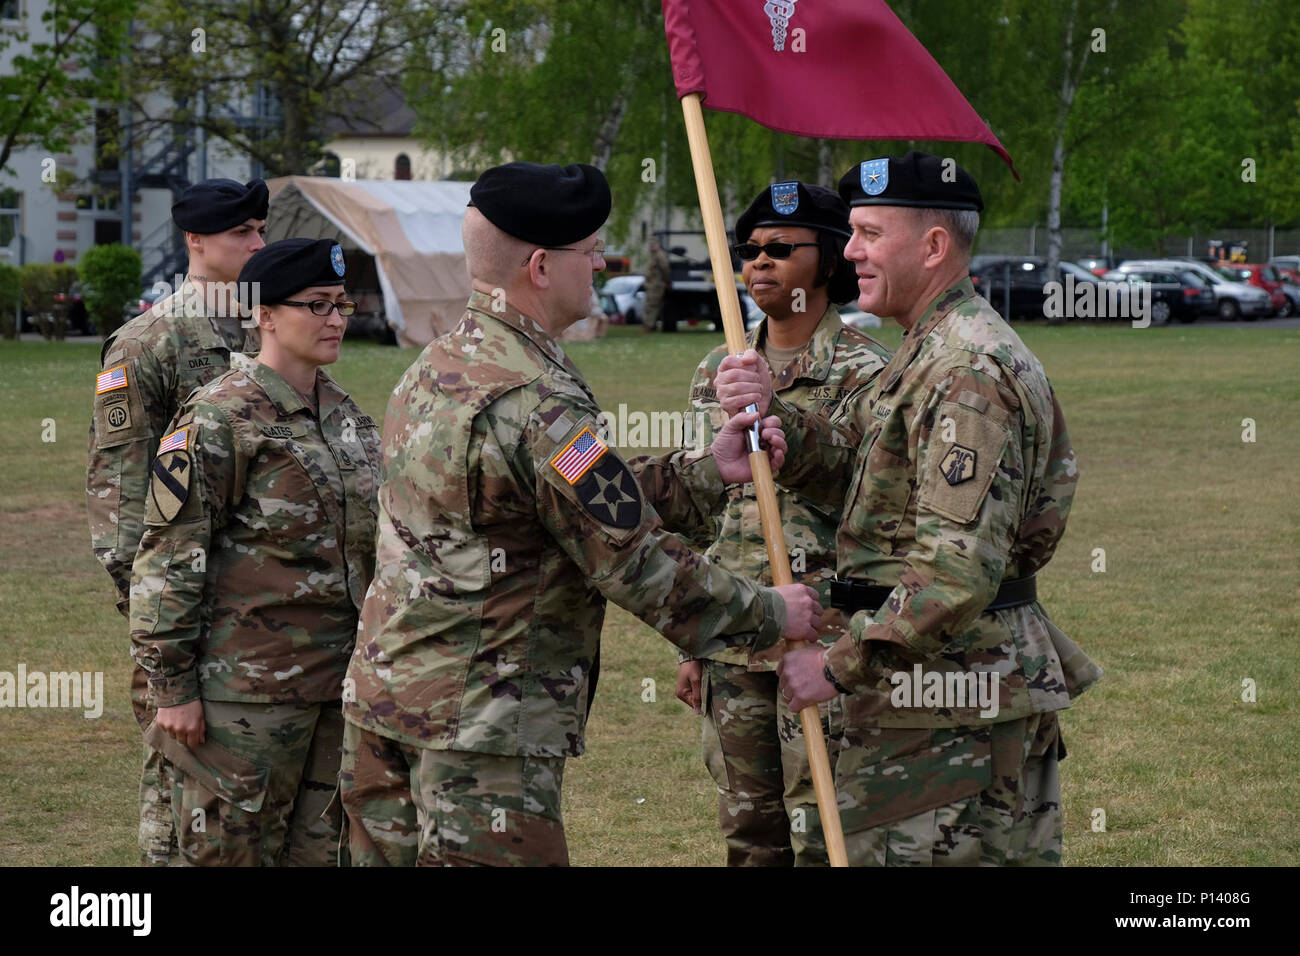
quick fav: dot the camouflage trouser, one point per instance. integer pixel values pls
(654, 307)
(754, 749)
(1014, 821)
(255, 791)
(411, 806)
(157, 834)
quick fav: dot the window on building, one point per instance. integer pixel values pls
(330, 165)
(108, 136)
(402, 169)
(8, 216)
(10, 9)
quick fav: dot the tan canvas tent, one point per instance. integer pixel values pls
(412, 229)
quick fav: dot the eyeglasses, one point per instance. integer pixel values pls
(775, 250)
(595, 252)
(323, 307)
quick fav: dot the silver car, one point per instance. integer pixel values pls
(1232, 300)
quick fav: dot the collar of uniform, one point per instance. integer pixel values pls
(288, 399)
(935, 313)
(938, 310)
(482, 303)
(189, 291)
(813, 361)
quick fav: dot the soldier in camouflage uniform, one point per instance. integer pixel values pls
(790, 240)
(505, 523)
(148, 368)
(658, 277)
(955, 499)
(258, 550)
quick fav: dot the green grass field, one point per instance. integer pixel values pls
(1201, 533)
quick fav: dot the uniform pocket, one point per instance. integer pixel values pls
(881, 497)
(119, 410)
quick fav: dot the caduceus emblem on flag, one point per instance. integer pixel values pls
(779, 12)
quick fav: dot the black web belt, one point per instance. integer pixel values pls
(853, 596)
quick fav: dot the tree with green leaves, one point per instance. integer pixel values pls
(44, 104)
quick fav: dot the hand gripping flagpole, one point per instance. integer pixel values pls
(773, 534)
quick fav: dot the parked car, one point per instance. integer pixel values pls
(628, 295)
(1178, 294)
(1262, 277)
(1232, 300)
(1098, 265)
(1026, 279)
(1286, 262)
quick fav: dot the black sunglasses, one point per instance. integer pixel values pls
(775, 250)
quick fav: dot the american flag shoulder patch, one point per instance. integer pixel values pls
(177, 439)
(111, 380)
(576, 458)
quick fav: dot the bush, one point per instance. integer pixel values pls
(41, 282)
(110, 279)
(11, 297)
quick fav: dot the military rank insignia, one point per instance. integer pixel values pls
(958, 465)
(873, 174)
(170, 476)
(577, 457)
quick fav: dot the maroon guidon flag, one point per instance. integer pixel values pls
(832, 69)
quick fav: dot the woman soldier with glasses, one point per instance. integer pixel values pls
(258, 550)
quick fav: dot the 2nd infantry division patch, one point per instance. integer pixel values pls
(958, 465)
(609, 492)
(170, 478)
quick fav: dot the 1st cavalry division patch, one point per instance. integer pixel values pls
(170, 478)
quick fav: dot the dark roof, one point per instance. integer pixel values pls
(375, 108)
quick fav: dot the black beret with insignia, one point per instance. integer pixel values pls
(795, 204)
(915, 179)
(286, 267)
(543, 205)
(216, 205)
(812, 207)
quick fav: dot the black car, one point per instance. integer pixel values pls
(1017, 285)
(1178, 294)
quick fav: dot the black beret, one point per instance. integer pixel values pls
(795, 204)
(813, 207)
(286, 267)
(916, 179)
(543, 205)
(216, 205)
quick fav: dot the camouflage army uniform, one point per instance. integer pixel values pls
(258, 549)
(658, 275)
(163, 355)
(497, 551)
(752, 744)
(964, 480)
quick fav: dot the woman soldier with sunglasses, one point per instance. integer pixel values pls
(258, 550)
(791, 240)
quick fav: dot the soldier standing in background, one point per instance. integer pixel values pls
(956, 498)
(268, 477)
(148, 368)
(790, 240)
(505, 523)
(658, 279)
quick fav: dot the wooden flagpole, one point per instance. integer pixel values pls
(720, 255)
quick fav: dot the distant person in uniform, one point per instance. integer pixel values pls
(505, 523)
(658, 279)
(258, 549)
(148, 367)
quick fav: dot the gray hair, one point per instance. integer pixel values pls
(961, 224)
